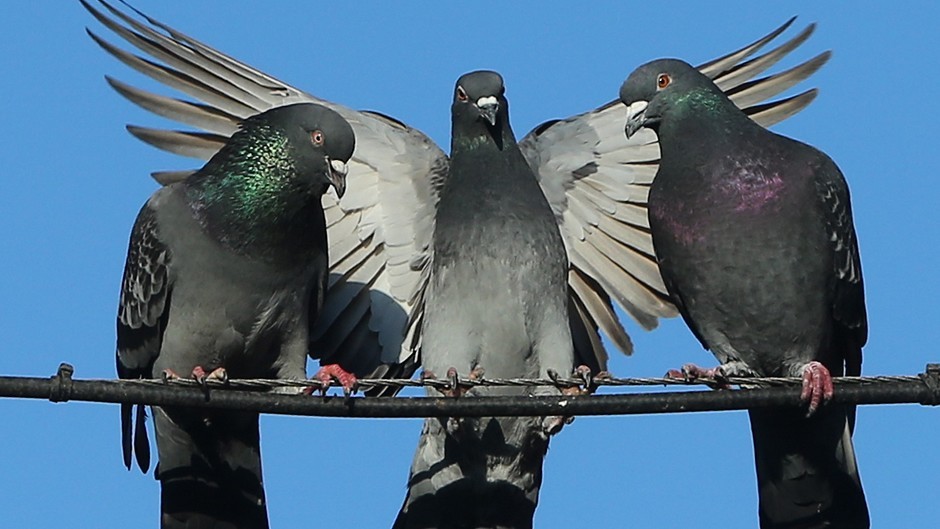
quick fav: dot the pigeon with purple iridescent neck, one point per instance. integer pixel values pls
(755, 241)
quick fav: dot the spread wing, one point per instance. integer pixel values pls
(141, 320)
(379, 233)
(597, 182)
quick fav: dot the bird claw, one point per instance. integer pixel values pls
(454, 381)
(476, 373)
(817, 386)
(566, 387)
(553, 424)
(329, 372)
(588, 379)
(199, 375)
(716, 377)
(427, 374)
(202, 378)
(455, 388)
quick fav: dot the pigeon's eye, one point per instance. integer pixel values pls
(316, 137)
(461, 95)
(663, 80)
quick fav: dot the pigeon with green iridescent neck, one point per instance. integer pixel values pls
(756, 244)
(383, 238)
(225, 275)
(381, 232)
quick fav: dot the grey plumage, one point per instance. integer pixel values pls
(496, 300)
(227, 269)
(756, 244)
(382, 232)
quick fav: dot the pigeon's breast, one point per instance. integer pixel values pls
(229, 309)
(237, 314)
(742, 249)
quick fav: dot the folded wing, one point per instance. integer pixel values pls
(595, 179)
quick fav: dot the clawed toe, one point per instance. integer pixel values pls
(199, 375)
(552, 425)
(455, 388)
(817, 386)
(330, 372)
(693, 373)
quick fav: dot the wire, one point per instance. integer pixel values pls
(923, 389)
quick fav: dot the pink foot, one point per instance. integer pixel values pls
(584, 373)
(581, 372)
(551, 425)
(330, 372)
(199, 375)
(692, 372)
(455, 390)
(817, 386)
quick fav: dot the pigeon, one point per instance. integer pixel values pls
(756, 244)
(382, 231)
(226, 271)
(497, 303)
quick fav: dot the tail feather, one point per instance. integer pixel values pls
(807, 474)
(141, 442)
(483, 474)
(209, 469)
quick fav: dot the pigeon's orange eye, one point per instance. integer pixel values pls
(461, 95)
(316, 137)
(663, 80)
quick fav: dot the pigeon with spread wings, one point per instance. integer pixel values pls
(595, 180)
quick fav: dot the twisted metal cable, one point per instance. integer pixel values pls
(268, 396)
(365, 384)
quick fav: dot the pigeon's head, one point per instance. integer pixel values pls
(657, 88)
(321, 142)
(479, 100)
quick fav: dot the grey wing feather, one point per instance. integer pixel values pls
(145, 291)
(141, 320)
(726, 62)
(849, 296)
(382, 225)
(597, 182)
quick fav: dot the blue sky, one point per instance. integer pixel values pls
(73, 180)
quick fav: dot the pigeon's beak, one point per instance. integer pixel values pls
(636, 117)
(488, 106)
(337, 176)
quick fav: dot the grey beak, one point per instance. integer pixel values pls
(636, 118)
(337, 174)
(488, 107)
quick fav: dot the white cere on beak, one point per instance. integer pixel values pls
(636, 108)
(636, 118)
(339, 167)
(487, 101)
